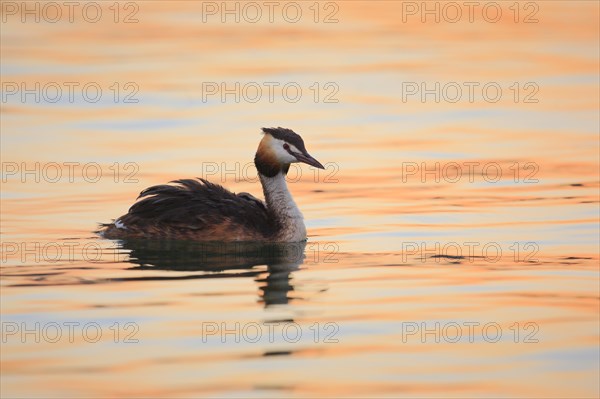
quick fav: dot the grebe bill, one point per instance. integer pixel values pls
(195, 209)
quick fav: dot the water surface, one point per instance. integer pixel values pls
(453, 245)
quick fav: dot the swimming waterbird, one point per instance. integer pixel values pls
(195, 209)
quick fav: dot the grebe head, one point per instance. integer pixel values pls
(278, 149)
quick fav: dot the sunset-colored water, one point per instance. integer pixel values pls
(453, 237)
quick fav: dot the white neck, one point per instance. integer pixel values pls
(280, 202)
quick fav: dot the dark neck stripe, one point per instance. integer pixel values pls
(269, 169)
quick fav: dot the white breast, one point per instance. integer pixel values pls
(280, 202)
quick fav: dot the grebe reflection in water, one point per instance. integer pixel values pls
(270, 264)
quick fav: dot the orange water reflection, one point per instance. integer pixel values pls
(384, 236)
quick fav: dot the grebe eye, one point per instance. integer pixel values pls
(286, 146)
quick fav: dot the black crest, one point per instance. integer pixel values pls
(286, 135)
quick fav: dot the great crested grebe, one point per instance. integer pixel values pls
(198, 210)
